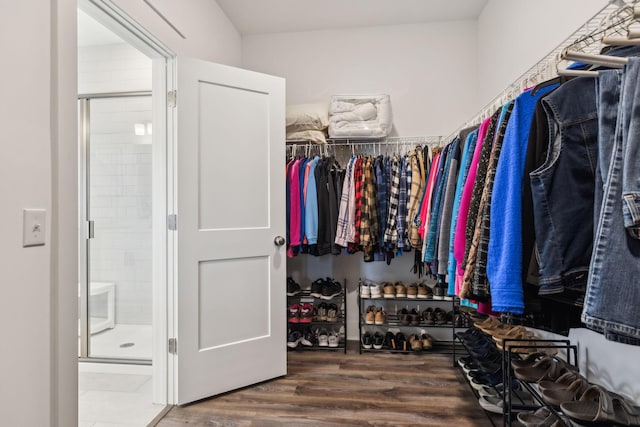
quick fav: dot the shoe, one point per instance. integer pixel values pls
(294, 313)
(389, 290)
(293, 288)
(365, 290)
(370, 315)
(375, 291)
(378, 341)
(367, 341)
(323, 338)
(439, 316)
(332, 313)
(330, 289)
(401, 342)
(414, 317)
(380, 317)
(427, 316)
(294, 339)
(321, 312)
(438, 292)
(401, 290)
(412, 291)
(306, 313)
(427, 341)
(316, 288)
(424, 291)
(389, 342)
(333, 339)
(403, 316)
(415, 343)
(308, 339)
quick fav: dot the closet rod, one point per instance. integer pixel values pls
(544, 69)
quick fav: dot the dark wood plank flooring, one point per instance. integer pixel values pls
(334, 389)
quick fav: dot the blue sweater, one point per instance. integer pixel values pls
(504, 263)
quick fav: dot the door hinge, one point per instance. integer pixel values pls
(171, 99)
(90, 230)
(173, 345)
(172, 222)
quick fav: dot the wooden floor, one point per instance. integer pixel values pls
(334, 389)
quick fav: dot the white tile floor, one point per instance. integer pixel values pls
(113, 395)
(114, 343)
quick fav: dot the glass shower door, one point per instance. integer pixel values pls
(118, 198)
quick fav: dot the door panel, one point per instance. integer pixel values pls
(230, 205)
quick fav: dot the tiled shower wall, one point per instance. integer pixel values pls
(120, 183)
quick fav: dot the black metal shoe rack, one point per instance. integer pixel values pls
(340, 300)
(393, 323)
(512, 351)
(512, 348)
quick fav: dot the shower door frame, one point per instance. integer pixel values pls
(86, 231)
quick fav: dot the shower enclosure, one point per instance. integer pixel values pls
(115, 206)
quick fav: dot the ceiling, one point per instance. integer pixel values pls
(278, 16)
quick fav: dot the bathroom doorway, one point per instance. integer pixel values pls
(122, 222)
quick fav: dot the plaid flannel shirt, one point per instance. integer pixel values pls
(391, 232)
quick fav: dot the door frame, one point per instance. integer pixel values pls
(163, 184)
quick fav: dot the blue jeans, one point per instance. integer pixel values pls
(613, 291)
(563, 187)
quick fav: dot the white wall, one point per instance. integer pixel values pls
(514, 35)
(208, 32)
(113, 68)
(25, 182)
(428, 69)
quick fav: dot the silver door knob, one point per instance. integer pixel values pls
(279, 241)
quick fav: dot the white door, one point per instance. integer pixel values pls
(231, 297)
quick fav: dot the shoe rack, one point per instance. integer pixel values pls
(407, 320)
(316, 316)
(499, 371)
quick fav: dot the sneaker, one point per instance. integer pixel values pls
(333, 339)
(330, 289)
(403, 316)
(370, 315)
(308, 338)
(414, 317)
(306, 313)
(321, 312)
(412, 291)
(293, 288)
(365, 290)
(439, 316)
(294, 339)
(380, 317)
(375, 291)
(316, 288)
(294, 313)
(438, 292)
(389, 290)
(332, 313)
(401, 290)
(323, 338)
(378, 341)
(367, 341)
(427, 316)
(341, 334)
(424, 291)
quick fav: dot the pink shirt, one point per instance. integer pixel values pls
(459, 243)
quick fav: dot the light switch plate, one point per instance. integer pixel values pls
(33, 227)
